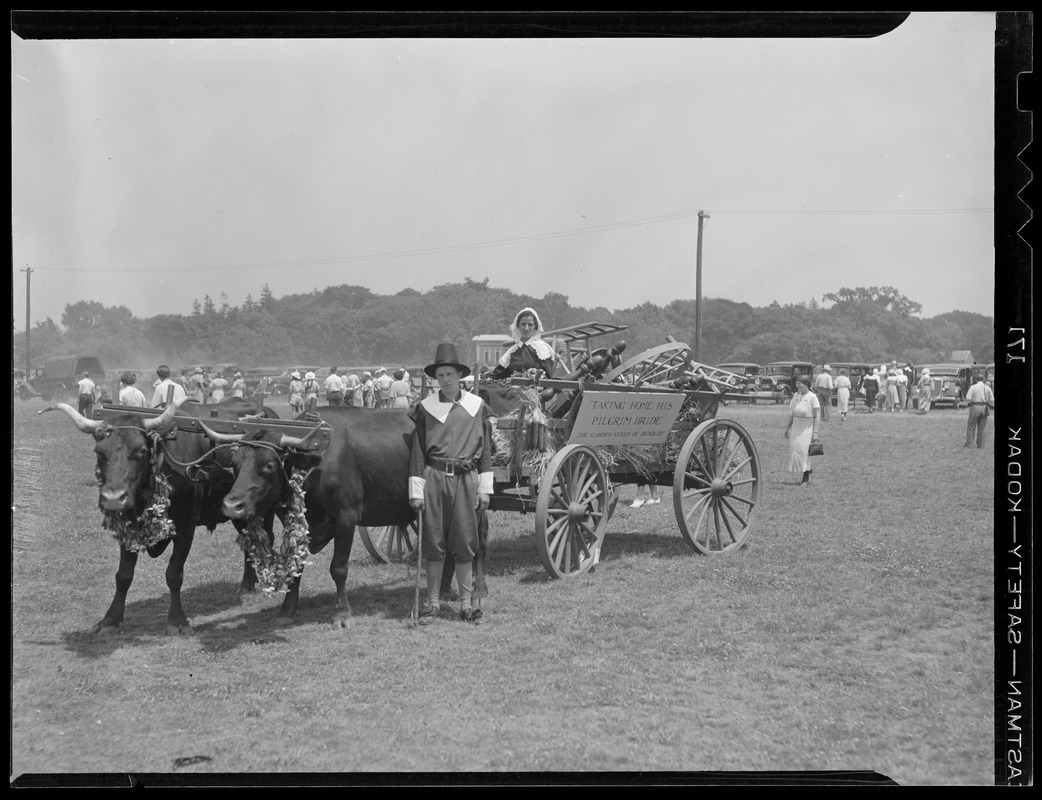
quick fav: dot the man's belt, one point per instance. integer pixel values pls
(451, 467)
(977, 404)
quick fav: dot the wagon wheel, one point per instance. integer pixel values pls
(716, 486)
(390, 544)
(657, 365)
(572, 511)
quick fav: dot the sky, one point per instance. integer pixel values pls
(150, 173)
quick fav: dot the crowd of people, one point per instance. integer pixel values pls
(887, 388)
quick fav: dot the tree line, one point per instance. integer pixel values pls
(350, 325)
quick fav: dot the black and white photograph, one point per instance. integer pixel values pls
(466, 398)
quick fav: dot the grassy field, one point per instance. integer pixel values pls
(856, 633)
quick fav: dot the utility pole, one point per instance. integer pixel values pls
(28, 272)
(698, 288)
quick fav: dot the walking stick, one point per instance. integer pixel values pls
(419, 553)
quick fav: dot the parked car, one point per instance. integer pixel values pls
(780, 376)
(57, 379)
(950, 383)
(747, 380)
(743, 368)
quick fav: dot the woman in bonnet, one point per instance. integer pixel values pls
(529, 351)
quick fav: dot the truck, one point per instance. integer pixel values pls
(57, 379)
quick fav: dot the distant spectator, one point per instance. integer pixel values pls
(892, 395)
(902, 390)
(802, 428)
(87, 394)
(129, 394)
(334, 388)
(870, 386)
(382, 383)
(401, 391)
(238, 386)
(351, 383)
(217, 386)
(842, 394)
(167, 390)
(925, 391)
(296, 394)
(310, 393)
(823, 386)
(197, 385)
(368, 391)
(981, 399)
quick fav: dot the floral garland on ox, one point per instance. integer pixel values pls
(274, 572)
(153, 525)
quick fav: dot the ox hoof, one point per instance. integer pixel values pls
(341, 623)
(105, 630)
(173, 629)
(282, 621)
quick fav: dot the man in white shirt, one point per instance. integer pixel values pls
(87, 393)
(168, 390)
(823, 389)
(334, 388)
(382, 384)
(981, 399)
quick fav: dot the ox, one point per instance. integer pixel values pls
(124, 449)
(361, 479)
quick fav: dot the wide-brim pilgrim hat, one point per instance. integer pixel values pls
(446, 356)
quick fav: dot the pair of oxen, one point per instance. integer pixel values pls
(361, 478)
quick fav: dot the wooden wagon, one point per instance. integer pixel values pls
(571, 442)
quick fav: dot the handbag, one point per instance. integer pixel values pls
(816, 449)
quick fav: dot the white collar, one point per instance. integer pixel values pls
(434, 406)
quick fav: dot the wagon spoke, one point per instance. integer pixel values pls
(700, 502)
(557, 523)
(720, 453)
(582, 541)
(745, 482)
(558, 538)
(733, 510)
(723, 516)
(738, 467)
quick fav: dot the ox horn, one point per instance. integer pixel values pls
(81, 422)
(164, 419)
(221, 438)
(299, 443)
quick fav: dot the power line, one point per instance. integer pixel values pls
(501, 242)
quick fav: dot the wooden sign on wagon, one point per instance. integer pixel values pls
(625, 418)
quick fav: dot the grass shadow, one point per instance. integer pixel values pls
(214, 608)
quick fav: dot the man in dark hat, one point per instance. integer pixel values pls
(450, 479)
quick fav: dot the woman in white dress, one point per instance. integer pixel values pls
(842, 395)
(217, 386)
(804, 415)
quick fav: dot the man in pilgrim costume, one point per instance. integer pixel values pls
(529, 351)
(450, 478)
